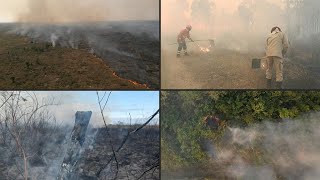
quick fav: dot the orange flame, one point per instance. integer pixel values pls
(204, 49)
(132, 82)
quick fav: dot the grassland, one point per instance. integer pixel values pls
(28, 65)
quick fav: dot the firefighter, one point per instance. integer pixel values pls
(185, 33)
(277, 46)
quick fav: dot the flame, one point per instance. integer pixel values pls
(131, 81)
(204, 49)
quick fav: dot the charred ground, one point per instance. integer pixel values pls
(80, 56)
(140, 152)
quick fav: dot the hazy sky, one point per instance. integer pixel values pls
(140, 104)
(11, 10)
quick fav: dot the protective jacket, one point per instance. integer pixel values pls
(183, 35)
(277, 44)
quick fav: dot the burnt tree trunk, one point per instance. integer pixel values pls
(73, 149)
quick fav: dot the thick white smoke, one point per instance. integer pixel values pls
(235, 24)
(267, 151)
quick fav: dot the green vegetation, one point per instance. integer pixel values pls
(183, 126)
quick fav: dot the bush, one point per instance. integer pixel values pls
(183, 112)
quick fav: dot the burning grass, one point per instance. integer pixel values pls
(26, 65)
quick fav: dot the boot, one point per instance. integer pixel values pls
(178, 56)
(186, 54)
(269, 83)
(278, 85)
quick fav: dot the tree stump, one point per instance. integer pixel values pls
(73, 148)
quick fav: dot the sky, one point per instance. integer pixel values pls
(78, 10)
(140, 104)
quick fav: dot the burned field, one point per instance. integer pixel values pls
(139, 154)
(116, 55)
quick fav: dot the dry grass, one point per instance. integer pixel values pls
(26, 65)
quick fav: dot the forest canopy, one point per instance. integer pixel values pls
(183, 115)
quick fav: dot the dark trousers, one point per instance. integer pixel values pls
(182, 45)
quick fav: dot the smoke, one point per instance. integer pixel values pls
(240, 136)
(62, 11)
(238, 24)
(122, 45)
(66, 11)
(288, 149)
(53, 38)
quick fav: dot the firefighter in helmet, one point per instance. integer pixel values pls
(277, 46)
(185, 33)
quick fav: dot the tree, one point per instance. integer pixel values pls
(183, 125)
(24, 121)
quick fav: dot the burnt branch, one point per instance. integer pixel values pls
(100, 101)
(125, 140)
(153, 167)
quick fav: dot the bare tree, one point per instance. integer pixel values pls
(24, 118)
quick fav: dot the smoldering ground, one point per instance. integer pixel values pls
(131, 49)
(240, 29)
(271, 150)
(48, 145)
(125, 34)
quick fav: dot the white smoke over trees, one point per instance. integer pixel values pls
(288, 149)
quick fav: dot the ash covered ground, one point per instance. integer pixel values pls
(130, 48)
(140, 152)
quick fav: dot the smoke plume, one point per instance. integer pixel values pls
(240, 25)
(289, 149)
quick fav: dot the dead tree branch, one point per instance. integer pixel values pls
(107, 128)
(125, 140)
(153, 167)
